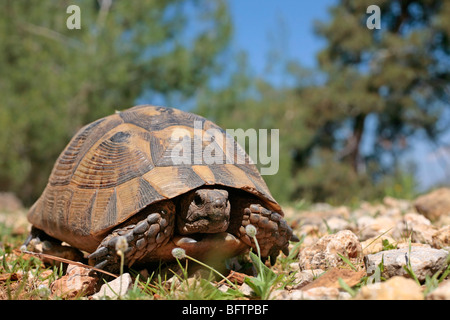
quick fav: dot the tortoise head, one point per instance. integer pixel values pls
(204, 211)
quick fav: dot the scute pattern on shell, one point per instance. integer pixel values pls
(118, 165)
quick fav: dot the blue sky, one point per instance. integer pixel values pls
(287, 23)
(288, 26)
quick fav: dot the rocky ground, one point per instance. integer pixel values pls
(381, 243)
(395, 249)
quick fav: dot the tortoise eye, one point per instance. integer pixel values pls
(198, 200)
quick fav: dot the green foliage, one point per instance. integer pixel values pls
(55, 80)
(408, 267)
(431, 283)
(392, 79)
(266, 279)
(348, 262)
(401, 185)
(346, 287)
(344, 127)
(377, 275)
(388, 246)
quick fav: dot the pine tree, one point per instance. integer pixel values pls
(55, 79)
(398, 74)
(344, 127)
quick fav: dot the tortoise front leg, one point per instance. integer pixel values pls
(273, 233)
(141, 238)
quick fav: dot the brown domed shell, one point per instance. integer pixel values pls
(117, 165)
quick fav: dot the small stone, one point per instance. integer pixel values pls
(113, 289)
(372, 227)
(324, 253)
(396, 288)
(324, 293)
(304, 277)
(318, 213)
(441, 238)
(9, 202)
(375, 244)
(319, 293)
(442, 292)
(34, 280)
(415, 225)
(423, 233)
(247, 290)
(424, 261)
(401, 204)
(334, 224)
(76, 282)
(373, 210)
(434, 204)
(412, 219)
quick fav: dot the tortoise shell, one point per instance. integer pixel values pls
(118, 165)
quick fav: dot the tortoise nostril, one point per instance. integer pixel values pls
(218, 204)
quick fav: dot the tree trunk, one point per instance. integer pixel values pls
(351, 151)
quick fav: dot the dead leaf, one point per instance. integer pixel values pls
(330, 279)
(235, 277)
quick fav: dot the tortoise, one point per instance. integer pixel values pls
(121, 177)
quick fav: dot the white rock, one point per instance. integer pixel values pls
(325, 252)
(423, 233)
(247, 290)
(372, 227)
(424, 261)
(319, 293)
(400, 204)
(434, 204)
(396, 288)
(113, 289)
(304, 277)
(441, 238)
(334, 224)
(375, 244)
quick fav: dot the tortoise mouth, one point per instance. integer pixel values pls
(198, 228)
(195, 238)
(201, 245)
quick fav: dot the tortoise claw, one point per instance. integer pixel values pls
(294, 238)
(273, 233)
(101, 265)
(104, 259)
(273, 259)
(100, 252)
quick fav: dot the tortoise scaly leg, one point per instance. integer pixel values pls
(141, 238)
(40, 242)
(273, 232)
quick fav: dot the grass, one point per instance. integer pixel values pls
(24, 276)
